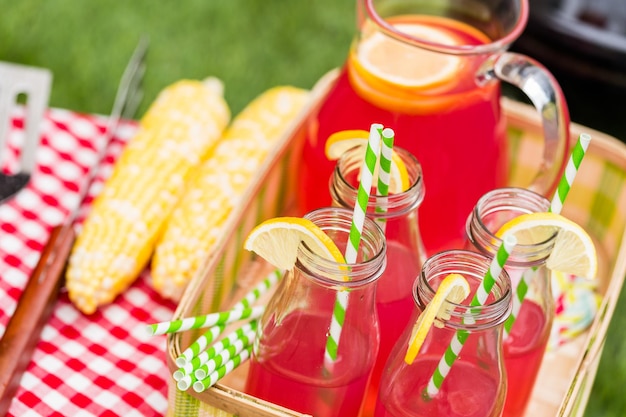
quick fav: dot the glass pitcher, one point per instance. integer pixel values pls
(432, 72)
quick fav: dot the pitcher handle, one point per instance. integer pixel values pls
(546, 95)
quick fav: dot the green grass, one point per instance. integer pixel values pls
(251, 45)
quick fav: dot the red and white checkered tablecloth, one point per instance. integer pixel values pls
(99, 365)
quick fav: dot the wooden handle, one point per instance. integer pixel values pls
(32, 312)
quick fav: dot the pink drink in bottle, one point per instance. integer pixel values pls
(405, 252)
(288, 365)
(476, 383)
(528, 328)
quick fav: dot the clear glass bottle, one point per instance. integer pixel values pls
(476, 383)
(405, 251)
(527, 331)
(288, 365)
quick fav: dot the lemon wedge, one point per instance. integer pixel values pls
(276, 240)
(339, 142)
(574, 251)
(453, 289)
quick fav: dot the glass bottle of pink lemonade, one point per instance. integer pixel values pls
(433, 71)
(475, 385)
(288, 365)
(397, 214)
(528, 328)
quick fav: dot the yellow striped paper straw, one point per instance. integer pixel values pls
(360, 208)
(480, 297)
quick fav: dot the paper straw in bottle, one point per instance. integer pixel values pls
(571, 169)
(360, 208)
(480, 297)
(207, 320)
(384, 171)
(556, 205)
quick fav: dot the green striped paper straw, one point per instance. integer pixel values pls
(207, 320)
(556, 205)
(571, 169)
(185, 382)
(384, 172)
(222, 371)
(222, 357)
(480, 297)
(519, 294)
(199, 344)
(260, 289)
(354, 240)
(190, 364)
(246, 302)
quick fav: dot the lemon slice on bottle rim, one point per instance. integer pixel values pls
(453, 289)
(276, 240)
(574, 251)
(339, 142)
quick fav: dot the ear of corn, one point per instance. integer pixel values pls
(175, 135)
(198, 220)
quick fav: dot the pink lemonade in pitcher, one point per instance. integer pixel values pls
(287, 378)
(453, 126)
(523, 353)
(467, 391)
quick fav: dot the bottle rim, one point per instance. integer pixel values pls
(473, 266)
(371, 261)
(513, 199)
(345, 192)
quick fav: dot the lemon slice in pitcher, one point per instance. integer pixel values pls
(276, 240)
(340, 142)
(574, 251)
(453, 289)
(402, 64)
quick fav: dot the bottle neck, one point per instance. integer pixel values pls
(344, 185)
(473, 266)
(496, 208)
(371, 258)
